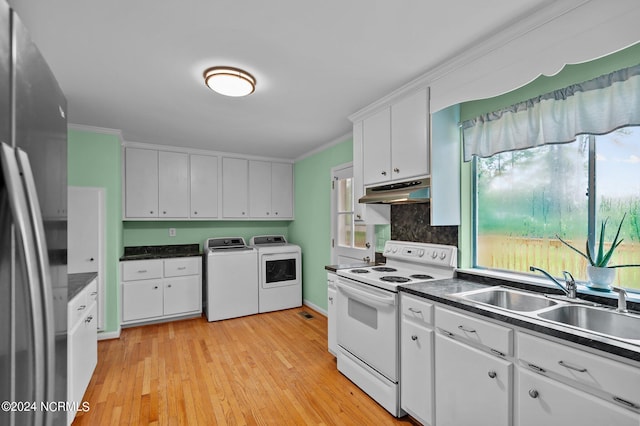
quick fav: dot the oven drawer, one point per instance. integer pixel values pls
(416, 308)
(475, 330)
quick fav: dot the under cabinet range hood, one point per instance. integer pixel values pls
(414, 191)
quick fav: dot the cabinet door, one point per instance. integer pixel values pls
(260, 189)
(542, 401)
(376, 152)
(173, 181)
(409, 137)
(471, 385)
(83, 229)
(203, 175)
(141, 183)
(141, 300)
(331, 314)
(235, 190)
(282, 190)
(182, 295)
(417, 379)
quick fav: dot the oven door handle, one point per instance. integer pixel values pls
(365, 296)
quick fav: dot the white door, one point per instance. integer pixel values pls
(173, 191)
(235, 187)
(377, 147)
(141, 182)
(351, 242)
(204, 186)
(409, 141)
(282, 190)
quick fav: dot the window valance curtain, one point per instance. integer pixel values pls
(597, 106)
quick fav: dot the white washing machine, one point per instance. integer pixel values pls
(280, 273)
(231, 277)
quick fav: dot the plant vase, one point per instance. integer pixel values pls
(600, 278)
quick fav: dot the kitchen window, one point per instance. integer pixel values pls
(524, 198)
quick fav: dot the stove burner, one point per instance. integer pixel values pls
(383, 269)
(421, 276)
(394, 279)
(359, 271)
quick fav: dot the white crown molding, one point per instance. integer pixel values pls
(94, 129)
(316, 150)
(501, 37)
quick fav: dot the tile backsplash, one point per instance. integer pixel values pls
(411, 222)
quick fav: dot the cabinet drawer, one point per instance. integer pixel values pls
(77, 308)
(141, 269)
(92, 291)
(579, 367)
(417, 309)
(476, 330)
(182, 266)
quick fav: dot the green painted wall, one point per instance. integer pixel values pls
(312, 228)
(570, 74)
(94, 160)
(157, 233)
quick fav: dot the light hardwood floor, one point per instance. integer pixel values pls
(266, 369)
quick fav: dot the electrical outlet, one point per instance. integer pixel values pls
(172, 232)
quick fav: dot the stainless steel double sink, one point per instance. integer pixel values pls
(594, 319)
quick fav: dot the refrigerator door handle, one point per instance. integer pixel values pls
(46, 292)
(25, 240)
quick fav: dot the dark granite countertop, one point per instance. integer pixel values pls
(77, 282)
(161, 252)
(441, 291)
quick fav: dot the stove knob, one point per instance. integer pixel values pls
(420, 253)
(434, 254)
(443, 255)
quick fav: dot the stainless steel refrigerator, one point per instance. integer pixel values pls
(33, 232)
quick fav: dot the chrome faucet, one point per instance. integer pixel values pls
(570, 284)
(622, 299)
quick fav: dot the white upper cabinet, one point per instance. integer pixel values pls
(141, 183)
(270, 190)
(395, 141)
(173, 185)
(235, 187)
(376, 133)
(282, 190)
(409, 136)
(203, 175)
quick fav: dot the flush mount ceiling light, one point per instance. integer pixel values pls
(230, 81)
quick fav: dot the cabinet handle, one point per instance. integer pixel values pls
(331, 299)
(82, 307)
(276, 213)
(182, 268)
(415, 311)
(495, 352)
(533, 393)
(397, 170)
(169, 285)
(142, 271)
(91, 260)
(536, 368)
(93, 293)
(359, 216)
(243, 213)
(466, 330)
(155, 287)
(384, 173)
(492, 374)
(89, 319)
(625, 402)
(267, 213)
(151, 212)
(571, 367)
(414, 337)
(195, 212)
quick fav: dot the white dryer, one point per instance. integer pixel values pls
(280, 273)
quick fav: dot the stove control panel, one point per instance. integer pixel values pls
(433, 254)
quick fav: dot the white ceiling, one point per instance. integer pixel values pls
(137, 65)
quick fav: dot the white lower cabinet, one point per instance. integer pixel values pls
(417, 359)
(543, 401)
(472, 386)
(332, 341)
(82, 344)
(161, 289)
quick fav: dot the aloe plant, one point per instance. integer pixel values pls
(601, 258)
